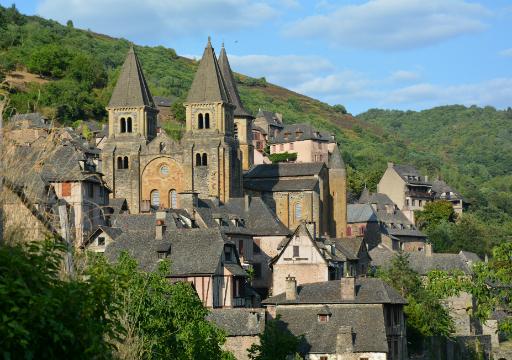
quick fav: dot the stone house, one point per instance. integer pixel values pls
(344, 319)
(362, 222)
(396, 231)
(309, 259)
(270, 123)
(242, 327)
(309, 144)
(410, 190)
(163, 104)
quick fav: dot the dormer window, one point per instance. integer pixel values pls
(323, 318)
(227, 255)
(101, 241)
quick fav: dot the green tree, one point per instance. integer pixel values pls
(178, 111)
(276, 343)
(339, 108)
(50, 60)
(434, 213)
(47, 317)
(166, 321)
(87, 70)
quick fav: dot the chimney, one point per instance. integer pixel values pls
(291, 288)
(188, 200)
(160, 229)
(426, 178)
(390, 165)
(348, 288)
(247, 198)
(344, 340)
(279, 117)
(428, 249)
(311, 226)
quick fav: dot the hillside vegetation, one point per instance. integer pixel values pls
(471, 148)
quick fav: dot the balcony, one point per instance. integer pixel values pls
(419, 194)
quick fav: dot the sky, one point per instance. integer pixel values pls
(393, 54)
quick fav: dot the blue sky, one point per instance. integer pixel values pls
(397, 54)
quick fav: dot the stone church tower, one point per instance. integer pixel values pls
(131, 124)
(242, 118)
(212, 155)
(337, 194)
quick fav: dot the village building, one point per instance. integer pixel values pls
(395, 230)
(309, 144)
(362, 222)
(310, 259)
(346, 319)
(269, 123)
(163, 105)
(410, 190)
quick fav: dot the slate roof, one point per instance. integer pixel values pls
(239, 321)
(162, 101)
(360, 213)
(281, 185)
(283, 170)
(368, 291)
(408, 170)
(439, 187)
(64, 164)
(269, 117)
(36, 120)
(335, 159)
(349, 246)
(420, 262)
(367, 325)
(230, 82)
(208, 84)
(131, 89)
(117, 205)
(299, 132)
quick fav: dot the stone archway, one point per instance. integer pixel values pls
(163, 174)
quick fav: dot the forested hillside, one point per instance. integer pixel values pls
(68, 74)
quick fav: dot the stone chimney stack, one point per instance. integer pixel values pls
(428, 249)
(390, 165)
(344, 340)
(426, 178)
(279, 117)
(188, 200)
(348, 288)
(291, 288)
(247, 199)
(160, 229)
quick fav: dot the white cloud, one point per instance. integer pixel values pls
(150, 19)
(404, 75)
(288, 70)
(392, 24)
(506, 52)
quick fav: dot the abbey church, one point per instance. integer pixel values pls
(150, 170)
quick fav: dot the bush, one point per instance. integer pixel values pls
(282, 157)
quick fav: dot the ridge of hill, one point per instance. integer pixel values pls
(468, 147)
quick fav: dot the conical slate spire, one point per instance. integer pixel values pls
(229, 79)
(208, 84)
(131, 88)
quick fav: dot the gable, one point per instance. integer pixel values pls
(300, 249)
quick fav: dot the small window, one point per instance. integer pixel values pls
(291, 146)
(298, 211)
(204, 161)
(200, 122)
(206, 121)
(155, 198)
(90, 189)
(164, 170)
(227, 255)
(123, 124)
(198, 159)
(125, 162)
(235, 131)
(66, 189)
(101, 241)
(173, 199)
(257, 270)
(323, 318)
(281, 147)
(256, 246)
(241, 247)
(129, 125)
(296, 251)
(349, 231)
(162, 255)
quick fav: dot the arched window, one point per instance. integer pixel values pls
(125, 162)
(298, 211)
(155, 198)
(235, 130)
(173, 199)
(123, 125)
(200, 121)
(205, 160)
(198, 159)
(129, 125)
(207, 121)
(119, 162)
